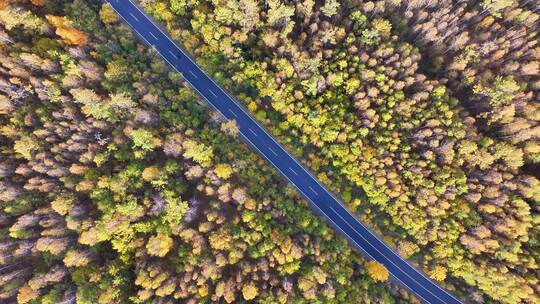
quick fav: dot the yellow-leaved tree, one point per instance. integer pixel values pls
(249, 291)
(63, 29)
(377, 271)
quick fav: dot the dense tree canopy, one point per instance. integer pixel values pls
(423, 115)
(117, 184)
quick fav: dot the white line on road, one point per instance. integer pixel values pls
(234, 114)
(271, 150)
(173, 54)
(212, 92)
(133, 16)
(152, 34)
(293, 171)
(313, 190)
(193, 74)
(252, 131)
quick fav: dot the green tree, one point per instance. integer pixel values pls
(107, 14)
(500, 92)
(198, 152)
(279, 14)
(330, 8)
(118, 70)
(495, 6)
(144, 140)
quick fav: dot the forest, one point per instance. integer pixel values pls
(423, 115)
(118, 184)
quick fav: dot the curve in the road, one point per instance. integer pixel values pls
(319, 197)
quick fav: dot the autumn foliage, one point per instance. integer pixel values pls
(423, 115)
(377, 271)
(70, 34)
(117, 184)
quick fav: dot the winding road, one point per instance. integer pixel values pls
(319, 197)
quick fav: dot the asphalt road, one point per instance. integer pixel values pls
(319, 197)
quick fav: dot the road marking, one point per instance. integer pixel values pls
(252, 131)
(234, 114)
(212, 92)
(313, 190)
(271, 150)
(293, 171)
(193, 74)
(173, 54)
(152, 34)
(133, 16)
